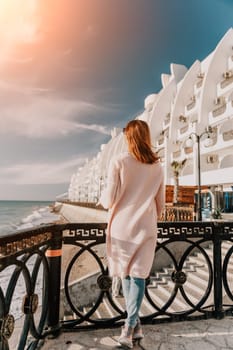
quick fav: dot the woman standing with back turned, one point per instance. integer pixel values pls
(135, 198)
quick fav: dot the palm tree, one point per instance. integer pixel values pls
(177, 167)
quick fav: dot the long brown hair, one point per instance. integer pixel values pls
(137, 133)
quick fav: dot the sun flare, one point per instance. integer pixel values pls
(18, 22)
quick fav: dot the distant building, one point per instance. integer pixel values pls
(191, 102)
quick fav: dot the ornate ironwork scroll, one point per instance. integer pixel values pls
(187, 250)
(192, 259)
(24, 274)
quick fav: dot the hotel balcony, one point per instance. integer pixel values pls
(228, 135)
(176, 154)
(193, 118)
(199, 83)
(183, 131)
(225, 137)
(222, 136)
(189, 108)
(188, 150)
(221, 109)
(184, 153)
(160, 141)
(166, 121)
(226, 84)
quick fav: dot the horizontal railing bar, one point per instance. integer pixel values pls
(168, 225)
(25, 233)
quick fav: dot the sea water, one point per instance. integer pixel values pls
(14, 216)
(17, 215)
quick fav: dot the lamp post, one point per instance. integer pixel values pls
(189, 143)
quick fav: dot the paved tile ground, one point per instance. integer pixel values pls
(189, 335)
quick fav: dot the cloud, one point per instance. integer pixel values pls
(94, 127)
(40, 172)
(38, 113)
(47, 85)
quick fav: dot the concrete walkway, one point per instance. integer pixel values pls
(189, 335)
(74, 213)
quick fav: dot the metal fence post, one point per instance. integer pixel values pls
(53, 255)
(217, 264)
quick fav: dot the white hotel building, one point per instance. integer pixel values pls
(190, 102)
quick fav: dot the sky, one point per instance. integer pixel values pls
(71, 70)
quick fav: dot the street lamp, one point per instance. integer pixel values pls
(189, 143)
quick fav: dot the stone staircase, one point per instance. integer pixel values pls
(161, 289)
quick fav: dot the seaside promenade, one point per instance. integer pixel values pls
(208, 334)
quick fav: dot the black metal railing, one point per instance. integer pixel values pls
(55, 278)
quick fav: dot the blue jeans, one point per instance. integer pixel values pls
(133, 290)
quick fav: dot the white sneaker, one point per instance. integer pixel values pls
(126, 337)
